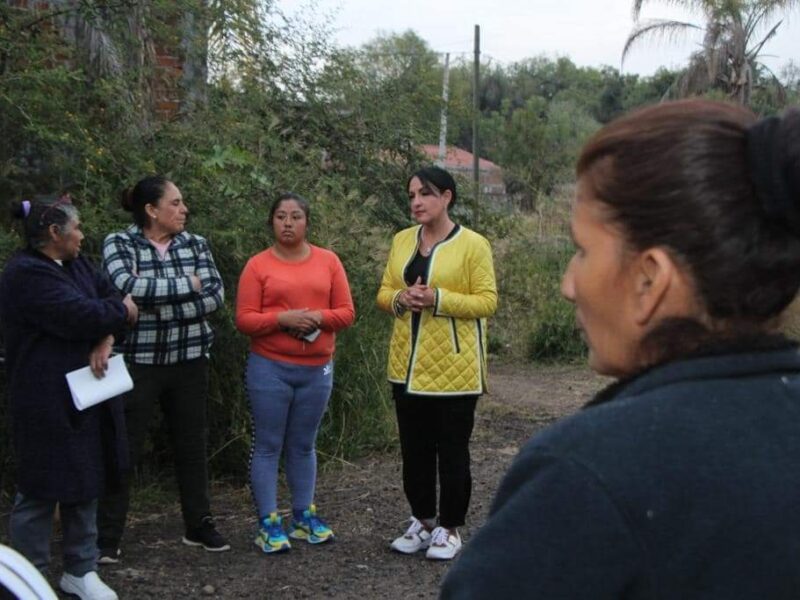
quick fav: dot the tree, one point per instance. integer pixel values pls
(537, 144)
(388, 92)
(729, 59)
(791, 75)
(407, 71)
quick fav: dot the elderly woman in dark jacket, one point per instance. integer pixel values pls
(60, 314)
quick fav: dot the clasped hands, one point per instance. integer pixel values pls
(417, 296)
(299, 322)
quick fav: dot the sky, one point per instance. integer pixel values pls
(589, 32)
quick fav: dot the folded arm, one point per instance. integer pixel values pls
(62, 310)
(119, 260)
(206, 300)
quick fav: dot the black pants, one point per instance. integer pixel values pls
(182, 391)
(436, 429)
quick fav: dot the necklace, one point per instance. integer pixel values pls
(426, 248)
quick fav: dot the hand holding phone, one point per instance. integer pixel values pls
(311, 336)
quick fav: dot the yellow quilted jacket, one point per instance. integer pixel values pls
(449, 356)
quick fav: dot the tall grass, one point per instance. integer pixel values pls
(534, 322)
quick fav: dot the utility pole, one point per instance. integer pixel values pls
(443, 123)
(475, 113)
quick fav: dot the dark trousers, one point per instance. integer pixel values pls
(30, 528)
(182, 391)
(436, 430)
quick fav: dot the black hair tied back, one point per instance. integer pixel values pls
(773, 156)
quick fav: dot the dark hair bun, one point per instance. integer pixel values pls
(773, 157)
(126, 199)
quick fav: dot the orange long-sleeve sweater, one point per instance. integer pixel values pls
(269, 286)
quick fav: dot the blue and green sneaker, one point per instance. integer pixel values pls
(311, 528)
(271, 537)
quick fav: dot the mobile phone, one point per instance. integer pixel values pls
(311, 336)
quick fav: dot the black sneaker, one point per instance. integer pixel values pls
(207, 536)
(109, 556)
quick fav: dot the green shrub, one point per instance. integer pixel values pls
(533, 321)
(230, 162)
(553, 336)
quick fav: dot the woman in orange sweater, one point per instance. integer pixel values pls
(291, 300)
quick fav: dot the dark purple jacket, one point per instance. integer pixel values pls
(51, 317)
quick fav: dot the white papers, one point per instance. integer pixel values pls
(87, 390)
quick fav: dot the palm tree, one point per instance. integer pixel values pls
(729, 58)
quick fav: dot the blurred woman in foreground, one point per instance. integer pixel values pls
(681, 479)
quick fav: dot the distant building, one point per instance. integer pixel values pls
(458, 161)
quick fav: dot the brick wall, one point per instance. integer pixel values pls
(168, 68)
(31, 4)
(166, 88)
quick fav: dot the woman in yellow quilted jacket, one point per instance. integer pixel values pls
(439, 285)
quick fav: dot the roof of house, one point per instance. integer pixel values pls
(456, 158)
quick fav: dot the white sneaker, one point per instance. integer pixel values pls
(445, 544)
(88, 587)
(414, 539)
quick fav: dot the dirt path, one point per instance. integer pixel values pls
(363, 502)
